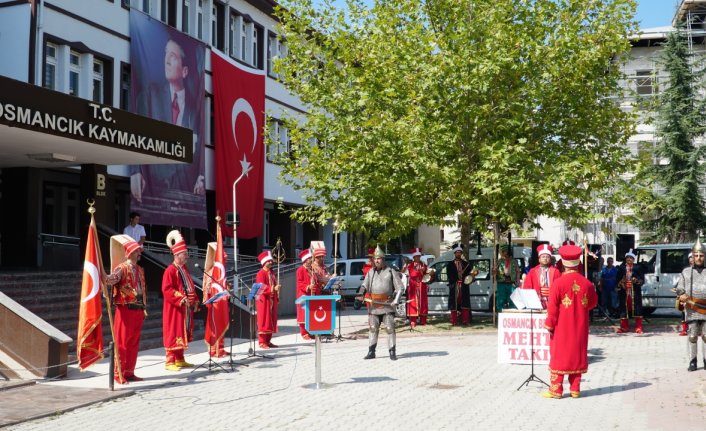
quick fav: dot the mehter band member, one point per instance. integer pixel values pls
(571, 300)
(417, 295)
(267, 301)
(385, 287)
(306, 285)
(630, 279)
(130, 297)
(457, 272)
(180, 303)
(691, 290)
(542, 277)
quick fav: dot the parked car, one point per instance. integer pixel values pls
(663, 264)
(481, 288)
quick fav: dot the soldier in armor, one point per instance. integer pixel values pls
(691, 290)
(384, 286)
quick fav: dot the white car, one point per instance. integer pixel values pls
(482, 286)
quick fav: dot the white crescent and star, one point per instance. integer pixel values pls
(218, 277)
(243, 106)
(316, 314)
(92, 270)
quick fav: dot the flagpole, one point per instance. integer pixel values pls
(235, 230)
(92, 210)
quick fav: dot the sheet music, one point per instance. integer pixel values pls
(331, 282)
(526, 298)
(253, 291)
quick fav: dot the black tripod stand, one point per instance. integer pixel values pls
(210, 363)
(532, 377)
(252, 349)
(231, 329)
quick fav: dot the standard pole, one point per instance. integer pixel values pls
(318, 361)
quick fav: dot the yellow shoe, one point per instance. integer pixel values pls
(184, 364)
(575, 394)
(172, 367)
(551, 395)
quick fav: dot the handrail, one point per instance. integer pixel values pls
(52, 239)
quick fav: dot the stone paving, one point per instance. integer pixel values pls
(439, 382)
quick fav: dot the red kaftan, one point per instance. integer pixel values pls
(267, 302)
(177, 320)
(534, 281)
(417, 295)
(571, 299)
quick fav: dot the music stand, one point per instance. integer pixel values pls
(232, 305)
(528, 299)
(210, 363)
(252, 349)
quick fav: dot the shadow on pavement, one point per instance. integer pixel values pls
(595, 355)
(418, 354)
(366, 380)
(613, 389)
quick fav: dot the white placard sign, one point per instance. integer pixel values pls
(515, 332)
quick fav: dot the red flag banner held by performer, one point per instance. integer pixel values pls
(239, 111)
(89, 347)
(217, 321)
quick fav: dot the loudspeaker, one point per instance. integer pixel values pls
(534, 260)
(623, 243)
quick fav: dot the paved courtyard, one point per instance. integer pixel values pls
(441, 381)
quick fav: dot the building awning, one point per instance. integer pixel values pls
(44, 128)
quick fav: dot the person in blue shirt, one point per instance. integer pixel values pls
(609, 296)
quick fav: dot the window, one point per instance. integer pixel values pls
(357, 268)
(217, 24)
(50, 53)
(168, 12)
(275, 49)
(279, 136)
(255, 49)
(98, 88)
(646, 257)
(243, 40)
(266, 229)
(214, 14)
(199, 19)
(645, 82)
(185, 16)
(125, 86)
(233, 34)
(145, 6)
(674, 261)
(74, 73)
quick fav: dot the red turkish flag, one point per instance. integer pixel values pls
(89, 347)
(218, 319)
(239, 112)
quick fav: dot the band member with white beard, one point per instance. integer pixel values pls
(691, 290)
(384, 286)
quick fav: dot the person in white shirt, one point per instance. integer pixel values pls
(135, 230)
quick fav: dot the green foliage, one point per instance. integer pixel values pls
(668, 198)
(500, 109)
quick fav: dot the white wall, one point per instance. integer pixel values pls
(14, 41)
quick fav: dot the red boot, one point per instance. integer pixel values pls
(423, 320)
(638, 325)
(683, 329)
(465, 316)
(454, 318)
(623, 326)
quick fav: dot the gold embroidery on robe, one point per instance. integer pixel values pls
(584, 300)
(566, 301)
(575, 287)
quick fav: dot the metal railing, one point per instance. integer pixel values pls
(50, 239)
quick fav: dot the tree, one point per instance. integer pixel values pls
(668, 198)
(499, 110)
